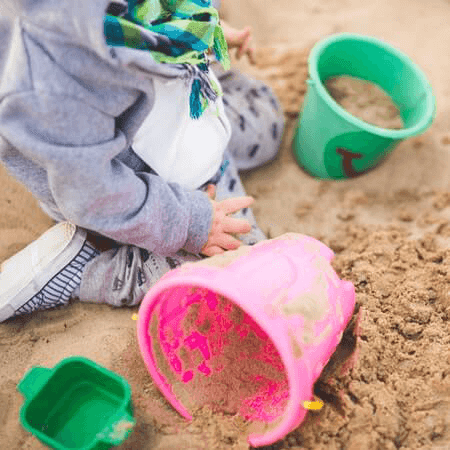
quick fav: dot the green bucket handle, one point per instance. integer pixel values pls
(33, 381)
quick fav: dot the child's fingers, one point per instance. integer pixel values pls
(211, 191)
(213, 250)
(245, 46)
(235, 38)
(228, 242)
(231, 205)
(240, 226)
(248, 30)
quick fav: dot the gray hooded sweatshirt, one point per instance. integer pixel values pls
(69, 108)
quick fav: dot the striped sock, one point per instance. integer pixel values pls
(63, 285)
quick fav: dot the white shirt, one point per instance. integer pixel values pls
(178, 148)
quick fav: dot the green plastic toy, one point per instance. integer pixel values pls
(330, 142)
(76, 405)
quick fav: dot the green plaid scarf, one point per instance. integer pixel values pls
(179, 32)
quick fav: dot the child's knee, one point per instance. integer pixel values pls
(276, 123)
(256, 118)
(272, 123)
(275, 112)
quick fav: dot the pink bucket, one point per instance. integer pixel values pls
(248, 335)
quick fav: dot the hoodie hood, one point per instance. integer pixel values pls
(79, 21)
(174, 44)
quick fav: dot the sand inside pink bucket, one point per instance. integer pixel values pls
(214, 355)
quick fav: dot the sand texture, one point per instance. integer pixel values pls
(389, 228)
(365, 101)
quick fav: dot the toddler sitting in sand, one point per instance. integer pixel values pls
(112, 116)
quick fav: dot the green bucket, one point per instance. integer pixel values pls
(331, 143)
(76, 405)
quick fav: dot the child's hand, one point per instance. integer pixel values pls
(223, 227)
(240, 39)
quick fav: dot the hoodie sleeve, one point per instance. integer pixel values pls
(78, 146)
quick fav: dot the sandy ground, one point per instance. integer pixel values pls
(390, 230)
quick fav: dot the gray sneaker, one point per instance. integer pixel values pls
(45, 273)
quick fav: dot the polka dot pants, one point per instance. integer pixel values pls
(256, 119)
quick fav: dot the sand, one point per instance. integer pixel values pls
(365, 100)
(390, 229)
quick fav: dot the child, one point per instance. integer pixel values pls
(112, 117)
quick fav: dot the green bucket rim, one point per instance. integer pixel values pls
(29, 398)
(400, 134)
